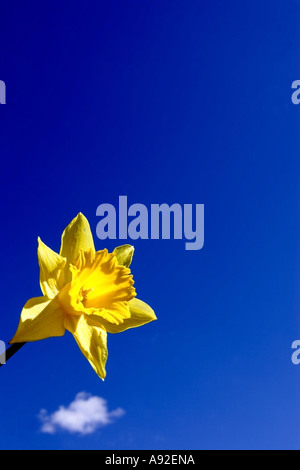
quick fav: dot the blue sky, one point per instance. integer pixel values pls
(165, 102)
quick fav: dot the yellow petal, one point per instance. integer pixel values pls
(116, 313)
(91, 339)
(76, 237)
(40, 318)
(124, 254)
(141, 313)
(51, 266)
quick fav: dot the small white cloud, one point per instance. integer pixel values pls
(83, 415)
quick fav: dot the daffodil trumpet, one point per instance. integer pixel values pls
(87, 292)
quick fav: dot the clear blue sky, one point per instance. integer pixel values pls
(162, 101)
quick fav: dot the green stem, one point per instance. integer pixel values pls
(12, 350)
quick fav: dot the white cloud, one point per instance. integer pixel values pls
(83, 415)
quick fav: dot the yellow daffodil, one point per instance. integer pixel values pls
(86, 292)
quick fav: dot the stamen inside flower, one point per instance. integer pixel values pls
(99, 286)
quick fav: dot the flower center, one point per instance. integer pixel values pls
(71, 298)
(99, 286)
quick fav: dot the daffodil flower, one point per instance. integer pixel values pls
(86, 292)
